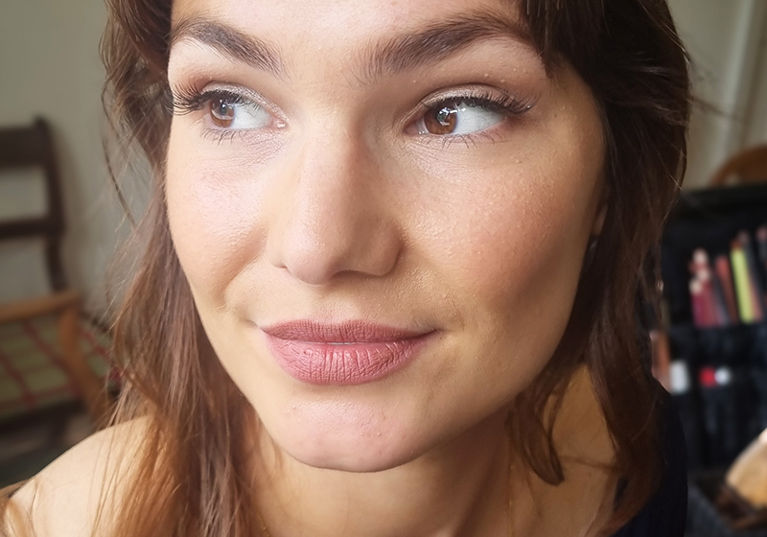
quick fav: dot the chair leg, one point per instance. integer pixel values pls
(92, 390)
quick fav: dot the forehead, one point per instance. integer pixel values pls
(365, 40)
(339, 22)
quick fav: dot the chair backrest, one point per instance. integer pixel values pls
(31, 146)
(748, 166)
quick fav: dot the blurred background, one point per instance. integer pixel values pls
(60, 224)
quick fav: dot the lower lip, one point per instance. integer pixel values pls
(343, 364)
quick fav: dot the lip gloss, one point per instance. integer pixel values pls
(349, 353)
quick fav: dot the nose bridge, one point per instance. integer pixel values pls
(331, 219)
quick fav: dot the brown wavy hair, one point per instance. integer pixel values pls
(186, 480)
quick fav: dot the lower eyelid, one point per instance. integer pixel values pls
(219, 135)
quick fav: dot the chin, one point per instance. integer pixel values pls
(357, 458)
(361, 440)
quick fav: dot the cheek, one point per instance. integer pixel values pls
(510, 254)
(514, 244)
(213, 210)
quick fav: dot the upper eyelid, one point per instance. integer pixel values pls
(239, 91)
(482, 94)
(246, 95)
(450, 95)
(432, 99)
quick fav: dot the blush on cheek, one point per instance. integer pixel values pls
(530, 286)
(213, 214)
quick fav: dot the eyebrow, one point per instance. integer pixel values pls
(230, 43)
(441, 40)
(402, 53)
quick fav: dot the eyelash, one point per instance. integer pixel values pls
(186, 100)
(504, 104)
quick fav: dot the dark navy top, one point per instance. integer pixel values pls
(665, 513)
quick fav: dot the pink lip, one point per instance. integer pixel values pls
(353, 352)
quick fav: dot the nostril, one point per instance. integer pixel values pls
(316, 258)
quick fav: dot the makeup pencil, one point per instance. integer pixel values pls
(761, 241)
(742, 287)
(713, 301)
(699, 262)
(699, 315)
(713, 297)
(755, 285)
(724, 275)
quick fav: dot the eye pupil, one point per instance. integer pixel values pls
(222, 112)
(442, 120)
(443, 116)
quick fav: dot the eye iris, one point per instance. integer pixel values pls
(442, 120)
(222, 112)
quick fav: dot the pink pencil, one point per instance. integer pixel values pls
(702, 306)
(699, 262)
(715, 308)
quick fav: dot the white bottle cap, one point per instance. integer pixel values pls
(723, 376)
(679, 377)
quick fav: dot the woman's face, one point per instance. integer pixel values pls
(382, 208)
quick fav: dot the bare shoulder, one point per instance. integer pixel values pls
(64, 498)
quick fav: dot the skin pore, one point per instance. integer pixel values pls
(328, 161)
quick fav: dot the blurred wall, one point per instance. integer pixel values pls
(727, 40)
(49, 66)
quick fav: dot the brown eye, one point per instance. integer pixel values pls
(222, 112)
(441, 120)
(460, 117)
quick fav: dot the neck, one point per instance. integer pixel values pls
(457, 488)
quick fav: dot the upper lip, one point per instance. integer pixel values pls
(354, 331)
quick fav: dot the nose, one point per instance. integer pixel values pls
(330, 216)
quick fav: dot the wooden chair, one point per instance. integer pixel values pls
(25, 147)
(747, 167)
